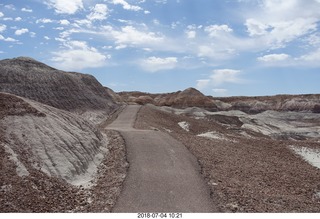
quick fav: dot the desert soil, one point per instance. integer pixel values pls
(163, 175)
(28, 189)
(252, 173)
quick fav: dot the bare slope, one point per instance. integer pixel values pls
(71, 91)
(47, 153)
(56, 142)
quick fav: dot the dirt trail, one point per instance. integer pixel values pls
(163, 175)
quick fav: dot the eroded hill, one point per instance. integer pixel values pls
(180, 99)
(59, 143)
(298, 103)
(52, 159)
(71, 91)
(255, 152)
(194, 98)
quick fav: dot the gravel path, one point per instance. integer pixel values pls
(163, 175)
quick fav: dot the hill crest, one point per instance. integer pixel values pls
(26, 77)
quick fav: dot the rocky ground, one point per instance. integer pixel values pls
(51, 144)
(39, 193)
(24, 187)
(246, 170)
(107, 186)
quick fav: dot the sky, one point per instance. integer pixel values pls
(220, 47)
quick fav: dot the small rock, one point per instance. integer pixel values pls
(232, 206)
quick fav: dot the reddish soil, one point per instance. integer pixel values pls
(11, 105)
(38, 192)
(255, 174)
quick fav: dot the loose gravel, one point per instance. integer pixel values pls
(38, 192)
(252, 173)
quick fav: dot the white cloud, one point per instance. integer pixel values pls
(313, 40)
(202, 83)
(288, 10)
(275, 23)
(46, 38)
(64, 22)
(274, 57)
(191, 34)
(8, 39)
(126, 5)
(77, 55)
(78, 45)
(1, 14)
(32, 34)
(156, 22)
(287, 31)
(147, 12)
(131, 36)
(83, 22)
(212, 44)
(21, 31)
(218, 44)
(44, 20)
(154, 64)
(256, 28)
(174, 25)
(18, 19)
(216, 30)
(10, 7)
(107, 47)
(191, 27)
(7, 19)
(161, 1)
(220, 50)
(98, 12)
(58, 28)
(205, 51)
(120, 47)
(219, 77)
(312, 57)
(65, 6)
(26, 10)
(60, 39)
(3, 27)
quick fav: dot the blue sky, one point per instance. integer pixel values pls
(221, 47)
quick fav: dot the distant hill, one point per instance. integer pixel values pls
(186, 98)
(190, 97)
(71, 91)
(194, 98)
(298, 103)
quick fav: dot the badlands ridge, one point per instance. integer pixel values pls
(257, 154)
